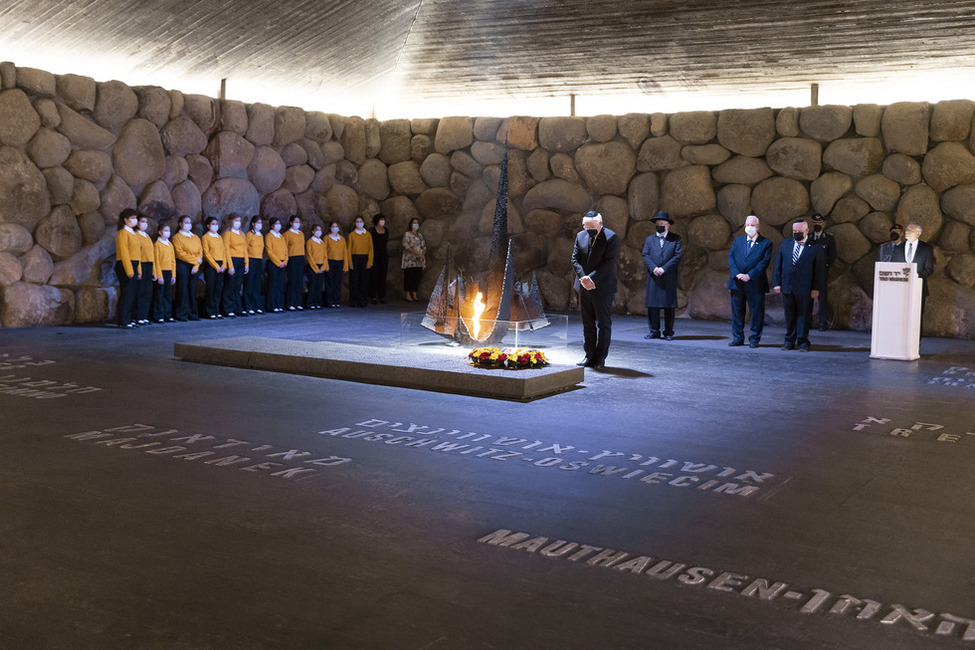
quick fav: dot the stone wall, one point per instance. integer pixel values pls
(75, 152)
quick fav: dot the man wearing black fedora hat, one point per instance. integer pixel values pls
(661, 253)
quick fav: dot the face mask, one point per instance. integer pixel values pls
(817, 228)
(592, 232)
(799, 236)
(317, 234)
(214, 227)
(186, 227)
(416, 226)
(277, 227)
(143, 225)
(661, 230)
(296, 226)
(359, 225)
(382, 223)
(894, 236)
(236, 225)
(335, 230)
(751, 230)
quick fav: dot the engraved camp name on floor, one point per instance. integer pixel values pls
(921, 431)
(32, 388)
(8, 362)
(958, 376)
(639, 468)
(808, 601)
(242, 455)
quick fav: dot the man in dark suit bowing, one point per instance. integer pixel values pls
(920, 253)
(661, 253)
(800, 272)
(748, 262)
(594, 260)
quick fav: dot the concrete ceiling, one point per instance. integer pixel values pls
(432, 52)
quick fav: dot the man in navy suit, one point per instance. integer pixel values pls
(594, 261)
(920, 253)
(800, 273)
(661, 253)
(748, 262)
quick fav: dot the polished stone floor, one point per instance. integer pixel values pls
(692, 495)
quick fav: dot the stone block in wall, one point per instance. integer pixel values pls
(879, 191)
(562, 134)
(709, 300)
(37, 265)
(644, 196)
(742, 170)
(155, 104)
(10, 269)
(486, 128)
(825, 123)
(487, 153)
(373, 139)
(424, 126)
(748, 132)
(947, 165)
(260, 124)
(177, 100)
(705, 154)
(47, 110)
(485, 224)
(266, 170)
(83, 132)
(694, 127)
(795, 158)
(687, 191)
(353, 140)
(919, 203)
(182, 136)
(156, 202)
(545, 222)
(90, 165)
(538, 165)
(438, 203)
(94, 305)
(280, 204)
(637, 233)
(520, 131)
(601, 128)
(202, 110)
(660, 153)
(84, 197)
(710, 232)
(658, 124)
(307, 207)
(851, 306)
(399, 210)
(139, 156)
(735, 204)
(229, 154)
(435, 170)
(318, 127)
(341, 203)
(607, 167)
(59, 233)
(558, 194)
(115, 197)
(554, 289)
(232, 116)
(199, 170)
(954, 237)
(332, 152)
(958, 203)
(298, 178)
(854, 156)
(563, 166)
(952, 120)
(635, 128)
(902, 168)
(905, 128)
(37, 82)
(48, 148)
(405, 178)
(324, 178)
(615, 213)
(15, 239)
(779, 200)
(18, 119)
(346, 173)
(92, 227)
(8, 75)
(60, 184)
(115, 104)
(961, 269)
(848, 209)
(948, 310)
(177, 170)
(77, 92)
(187, 200)
(876, 227)
(787, 122)
(851, 244)
(23, 190)
(465, 164)
(421, 146)
(28, 305)
(230, 194)
(453, 133)
(313, 153)
(373, 180)
(560, 252)
(396, 137)
(866, 119)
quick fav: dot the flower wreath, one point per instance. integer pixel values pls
(510, 358)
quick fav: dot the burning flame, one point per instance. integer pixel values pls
(479, 308)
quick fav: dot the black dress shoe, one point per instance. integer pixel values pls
(789, 346)
(734, 344)
(803, 348)
(599, 365)
(669, 337)
(753, 344)
(585, 363)
(651, 335)
(823, 328)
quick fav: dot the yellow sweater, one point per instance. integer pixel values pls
(146, 253)
(165, 258)
(188, 248)
(255, 246)
(315, 255)
(128, 249)
(213, 250)
(361, 244)
(236, 246)
(296, 243)
(277, 249)
(338, 251)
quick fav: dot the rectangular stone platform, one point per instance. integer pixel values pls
(445, 371)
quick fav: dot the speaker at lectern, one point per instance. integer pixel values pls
(896, 329)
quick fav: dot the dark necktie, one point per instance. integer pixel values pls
(795, 254)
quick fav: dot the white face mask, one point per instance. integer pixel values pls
(751, 230)
(186, 227)
(236, 225)
(277, 227)
(317, 234)
(214, 227)
(335, 230)
(415, 226)
(359, 225)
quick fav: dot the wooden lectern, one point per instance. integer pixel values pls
(896, 311)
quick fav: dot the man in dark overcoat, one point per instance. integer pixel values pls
(661, 253)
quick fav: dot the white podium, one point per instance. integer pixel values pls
(896, 311)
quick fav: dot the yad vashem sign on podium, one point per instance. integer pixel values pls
(896, 311)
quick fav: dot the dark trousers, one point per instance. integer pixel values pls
(597, 324)
(214, 282)
(252, 285)
(185, 290)
(756, 310)
(277, 279)
(143, 300)
(232, 286)
(296, 281)
(127, 289)
(796, 318)
(411, 279)
(162, 303)
(333, 283)
(653, 313)
(359, 281)
(377, 279)
(316, 286)
(823, 308)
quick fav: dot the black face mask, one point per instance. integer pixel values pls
(817, 228)
(661, 229)
(799, 236)
(894, 236)
(592, 232)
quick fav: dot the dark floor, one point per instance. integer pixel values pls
(763, 499)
